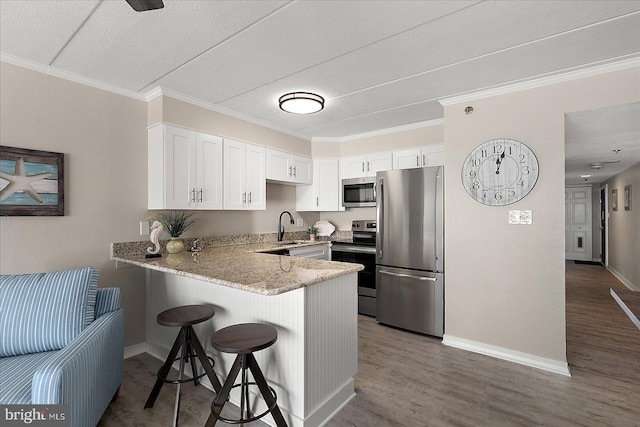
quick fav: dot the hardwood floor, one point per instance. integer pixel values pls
(409, 380)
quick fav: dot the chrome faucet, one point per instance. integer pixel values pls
(281, 227)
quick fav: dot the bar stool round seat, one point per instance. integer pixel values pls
(184, 317)
(245, 339)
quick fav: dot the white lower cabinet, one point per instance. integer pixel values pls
(324, 193)
(419, 157)
(244, 176)
(184, 169)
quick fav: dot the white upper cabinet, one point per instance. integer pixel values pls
(324, 193)
(184, 169)
(419, 157)
(365, 165)
(244, 176)
(288, 168)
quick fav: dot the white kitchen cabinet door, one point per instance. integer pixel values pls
(209, 172)
(256, 184)
(353, 167)
(278, 167)
(244, 176)
(407, 159)
(428, 155)
(324, 193)
(378, 162)
(288, 168)
(235, 174)
(302, 169)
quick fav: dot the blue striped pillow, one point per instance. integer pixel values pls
(45, 311)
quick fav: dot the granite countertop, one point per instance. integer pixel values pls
(245, 267)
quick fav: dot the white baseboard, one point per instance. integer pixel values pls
(623, 279)
(551, 365)
(134, 350)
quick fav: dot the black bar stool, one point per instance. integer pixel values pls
(243, 340)
(185, 317)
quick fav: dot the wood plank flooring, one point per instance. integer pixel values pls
(409, 380)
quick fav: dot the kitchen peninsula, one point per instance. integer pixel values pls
(312, 304)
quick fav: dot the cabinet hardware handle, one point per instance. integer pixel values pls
(367, 166)
(362, 166)
(295, 173)
(424, 160)
(317, 201)
(417, 161)
(201, 195)
(244, 198)
(289, 170)
(249, 197)
(193, 195)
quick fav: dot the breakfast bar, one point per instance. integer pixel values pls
(312, 304)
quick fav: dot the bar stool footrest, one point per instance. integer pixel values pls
(186, 380)
(242, 420)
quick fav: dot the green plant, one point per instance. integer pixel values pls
(175, 222)
(312, 230)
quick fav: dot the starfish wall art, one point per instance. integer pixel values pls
(31, 182)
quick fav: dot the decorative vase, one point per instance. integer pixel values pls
(312, 237)
(175, 245)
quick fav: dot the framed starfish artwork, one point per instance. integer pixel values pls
(31, 182)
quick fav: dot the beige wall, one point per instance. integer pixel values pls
(505, 283)
(104, 139)
(191, 116)
(624, 227)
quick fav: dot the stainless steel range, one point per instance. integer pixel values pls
(361, 250)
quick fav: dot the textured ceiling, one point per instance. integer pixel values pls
(379, 64)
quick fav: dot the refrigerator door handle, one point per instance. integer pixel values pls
(380, 216)
(427, 279)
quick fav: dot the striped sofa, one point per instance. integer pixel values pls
(61, 342)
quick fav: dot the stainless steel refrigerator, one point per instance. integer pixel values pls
(410, 249)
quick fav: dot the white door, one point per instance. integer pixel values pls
(180, 171)
(278, 165)
(378, 162)
(256, 184)
(235, 163)
(578, 204)
(302, 169)
(353, 167)
(208, 171)
(407, 159)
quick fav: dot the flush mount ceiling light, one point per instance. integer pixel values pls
(301, 102)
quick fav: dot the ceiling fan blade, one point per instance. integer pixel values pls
(144, 5)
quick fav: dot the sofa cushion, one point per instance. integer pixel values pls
(45, 311)
(16, 376)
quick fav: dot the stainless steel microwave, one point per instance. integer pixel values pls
(359, 192)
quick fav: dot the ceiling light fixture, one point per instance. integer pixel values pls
(301, 103)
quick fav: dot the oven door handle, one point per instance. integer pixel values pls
(427, 279)
(353, 249)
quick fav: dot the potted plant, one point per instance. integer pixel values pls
(175, 223)
(312, 231)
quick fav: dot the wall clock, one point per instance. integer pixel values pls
(500, 172)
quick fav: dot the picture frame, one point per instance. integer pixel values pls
(627, 197)
(614, 199)
(31, 182)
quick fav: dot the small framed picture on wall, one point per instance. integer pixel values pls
(614, 199)
(627, 197)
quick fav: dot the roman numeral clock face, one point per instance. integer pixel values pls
(500, 172)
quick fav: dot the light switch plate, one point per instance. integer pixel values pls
(144, 228)
(520, 217)
(299, 222)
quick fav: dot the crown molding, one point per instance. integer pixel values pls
(66, 75)
(161, 91)
(403, 128)
(594, 69)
